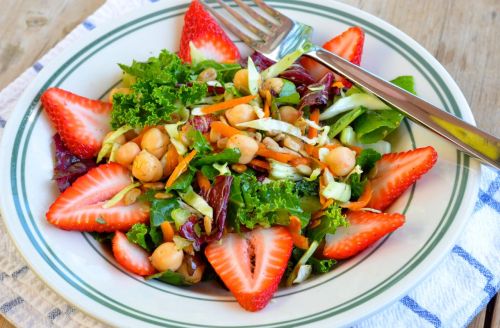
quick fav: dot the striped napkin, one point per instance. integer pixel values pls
(459, 288)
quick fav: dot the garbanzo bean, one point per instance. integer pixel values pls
(147, 167)
(274, 85)
(289, 114)
(155, 142)
(240, 113)
(248, 147)
(341, 161)
(240, 81)
(208, 74)
(126, 153)
(167, 257)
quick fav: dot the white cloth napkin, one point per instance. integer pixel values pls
(451, 296)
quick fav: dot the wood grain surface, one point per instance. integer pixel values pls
(461, 34)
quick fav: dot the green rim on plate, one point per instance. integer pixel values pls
(32, 115)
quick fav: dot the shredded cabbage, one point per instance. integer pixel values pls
(109, 142)
(337, 190)
(369, 101)
(282, 171)
(196, 201)
(118, 197)
(270, 124)
(253, 77)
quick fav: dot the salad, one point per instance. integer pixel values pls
(203, 165)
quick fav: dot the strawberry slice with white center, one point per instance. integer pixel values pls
(395, 172)
(130, 256)
(82, 123)
(207, 36)
(364, 229)
(80, 207)
(251, 264)
(348, 45)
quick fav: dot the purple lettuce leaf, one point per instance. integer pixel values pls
(202, 123)
(68, 167)
(317, 98)
(298, 75)
(261, 61)
(218, 198)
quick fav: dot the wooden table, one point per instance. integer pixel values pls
(462, 35)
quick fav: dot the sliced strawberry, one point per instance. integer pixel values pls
(130, 256)
(364, 229)
(80, 206)
(348, 45)
(207, 36)
(251, 264)
(395, 172)
(81, 122)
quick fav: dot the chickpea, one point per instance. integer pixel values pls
(293, 143)
(289, 114)
(240, 81)
(167, 257)
(120, 140)
(147, 167)
(208, 74)
(341, 160)
(240, 113)
(155, 142)
(118, 90)
(248, 147)
(274, 85)
(131, 196)
(126, 153)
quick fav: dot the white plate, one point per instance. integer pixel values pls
(82, 272)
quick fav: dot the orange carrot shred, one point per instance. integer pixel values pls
(180, 168)
(363, 200)
(259, 163)
(280, 157)
(313, 132)
(299, 161)
(226, 104)
(295, 230)
(357, 149)
(203, 182)
(224, 129)
(167, 231)
(327, 204)
(338, 84)
(267, 104)
(172, 158)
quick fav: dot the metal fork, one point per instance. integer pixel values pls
(278, 35)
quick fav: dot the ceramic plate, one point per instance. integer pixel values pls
(85, 274)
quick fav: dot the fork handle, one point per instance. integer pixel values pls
(466, 137)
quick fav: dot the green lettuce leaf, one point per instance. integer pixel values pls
(367, 159)
(171, 278)
(344, 121)
(161, 210)
(405, 82)
(146, 237)
(158, 91)
(183, 182)
(373, 126)
(253, 203)
(198, 142)
(225, 72)
(228, 155)
(330, 221)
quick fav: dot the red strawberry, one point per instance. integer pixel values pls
(207, 36)
(130, 256)
(364, 229)
(251, 264)
(348, 45)
(80, 206)
(395, 172)
(81, 122)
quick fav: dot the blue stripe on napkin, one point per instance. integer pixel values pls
(420, 311)
(88, 25)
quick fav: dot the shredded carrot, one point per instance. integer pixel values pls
(322, 199)
(295, 230)
(315, 223)
(357, 149)
(267, 104)
(327, 203)
(338, 84)
(203, 182)
(138, 139)
(167, 231)
(300, 161)
(224, 130)
(363, 200)
(259, 163)
(280, 157)
(172, 158)
(317, 215)
(313, 132)
(226, 104)
(180, 168)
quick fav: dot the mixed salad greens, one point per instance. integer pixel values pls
(253, 171)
